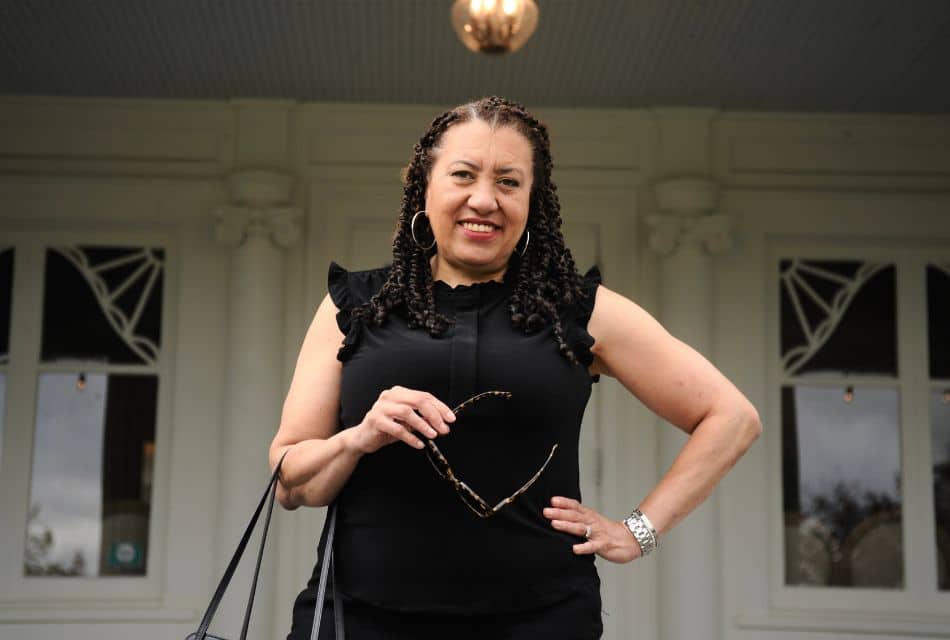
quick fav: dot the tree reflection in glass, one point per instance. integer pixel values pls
(841, 481)
(940, 441)
(90, 490)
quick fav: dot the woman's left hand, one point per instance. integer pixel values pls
(608, 538)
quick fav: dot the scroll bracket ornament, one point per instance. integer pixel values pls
(687, 217)
(258, 207)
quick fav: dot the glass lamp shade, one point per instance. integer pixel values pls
(494, 26)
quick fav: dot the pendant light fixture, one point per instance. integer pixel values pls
(494, 26)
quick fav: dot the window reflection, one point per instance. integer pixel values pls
(940, 439)
(91, 475)
(3, 407)
(938, 319)
(841, 484)
(6, 307)
(6, 301)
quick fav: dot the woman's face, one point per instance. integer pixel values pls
(477, 200)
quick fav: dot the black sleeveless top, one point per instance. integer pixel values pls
(405, 539)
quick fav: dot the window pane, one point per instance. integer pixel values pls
(91, 480)
(838, 317)
(3, 406)
(113, 300)
(841, 487)
(938, 316)
(940, 436)
(6, 308)
(6, 302)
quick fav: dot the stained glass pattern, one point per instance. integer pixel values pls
(103, 304)
(838, 317)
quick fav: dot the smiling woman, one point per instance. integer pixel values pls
(477, 200)
(482, 302)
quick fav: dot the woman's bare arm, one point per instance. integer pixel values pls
(680, 385)
(320, 460)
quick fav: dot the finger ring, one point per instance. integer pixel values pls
(587, 532)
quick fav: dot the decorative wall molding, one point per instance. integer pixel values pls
(872, 152)
(668, 233)
(684, 202)
(115, 137)
(258, 196)
(234, 224)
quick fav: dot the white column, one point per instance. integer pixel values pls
(684, 233)
(258, 227)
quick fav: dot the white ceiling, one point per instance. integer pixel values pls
(788, 55)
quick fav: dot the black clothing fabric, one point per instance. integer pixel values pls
(577, 617)
(405, 540)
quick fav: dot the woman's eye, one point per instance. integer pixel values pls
(509, 182)
(467, 175)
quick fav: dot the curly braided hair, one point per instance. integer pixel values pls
(547, 278)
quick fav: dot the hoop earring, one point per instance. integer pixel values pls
(527, 239)
(412, 230)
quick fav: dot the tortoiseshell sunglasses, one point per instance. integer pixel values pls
(471, 499)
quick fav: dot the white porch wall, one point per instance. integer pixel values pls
(113, 165)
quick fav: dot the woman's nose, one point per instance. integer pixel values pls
(482, 198)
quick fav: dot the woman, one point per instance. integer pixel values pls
(459, 517)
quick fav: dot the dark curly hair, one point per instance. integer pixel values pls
(546, 276)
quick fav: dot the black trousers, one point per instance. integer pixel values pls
(575, 618)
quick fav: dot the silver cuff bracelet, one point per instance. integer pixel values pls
(643, 531)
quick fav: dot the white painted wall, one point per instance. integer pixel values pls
(79, 169)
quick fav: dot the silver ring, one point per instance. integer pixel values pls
(587, 532)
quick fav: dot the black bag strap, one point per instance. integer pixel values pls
(268, 498)
(270, 493)
(325, 574)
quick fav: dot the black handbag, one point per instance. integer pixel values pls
(325, 572)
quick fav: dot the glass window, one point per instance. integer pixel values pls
(938, 320)
(841, 486)
(838, 317)
(112, 298)
(6, 308)
(6, 302)
(94, 437)
(841, 462)
(938, 316)
(940, 437)
(91, 475)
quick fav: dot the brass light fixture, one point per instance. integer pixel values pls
(494, 26)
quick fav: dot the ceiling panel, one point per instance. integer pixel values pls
(789, 55)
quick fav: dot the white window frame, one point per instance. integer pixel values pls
(17, 590)
(920, 594)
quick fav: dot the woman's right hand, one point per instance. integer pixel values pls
(400, 414)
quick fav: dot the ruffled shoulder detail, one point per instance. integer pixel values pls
(578, 315)
(348, 290)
